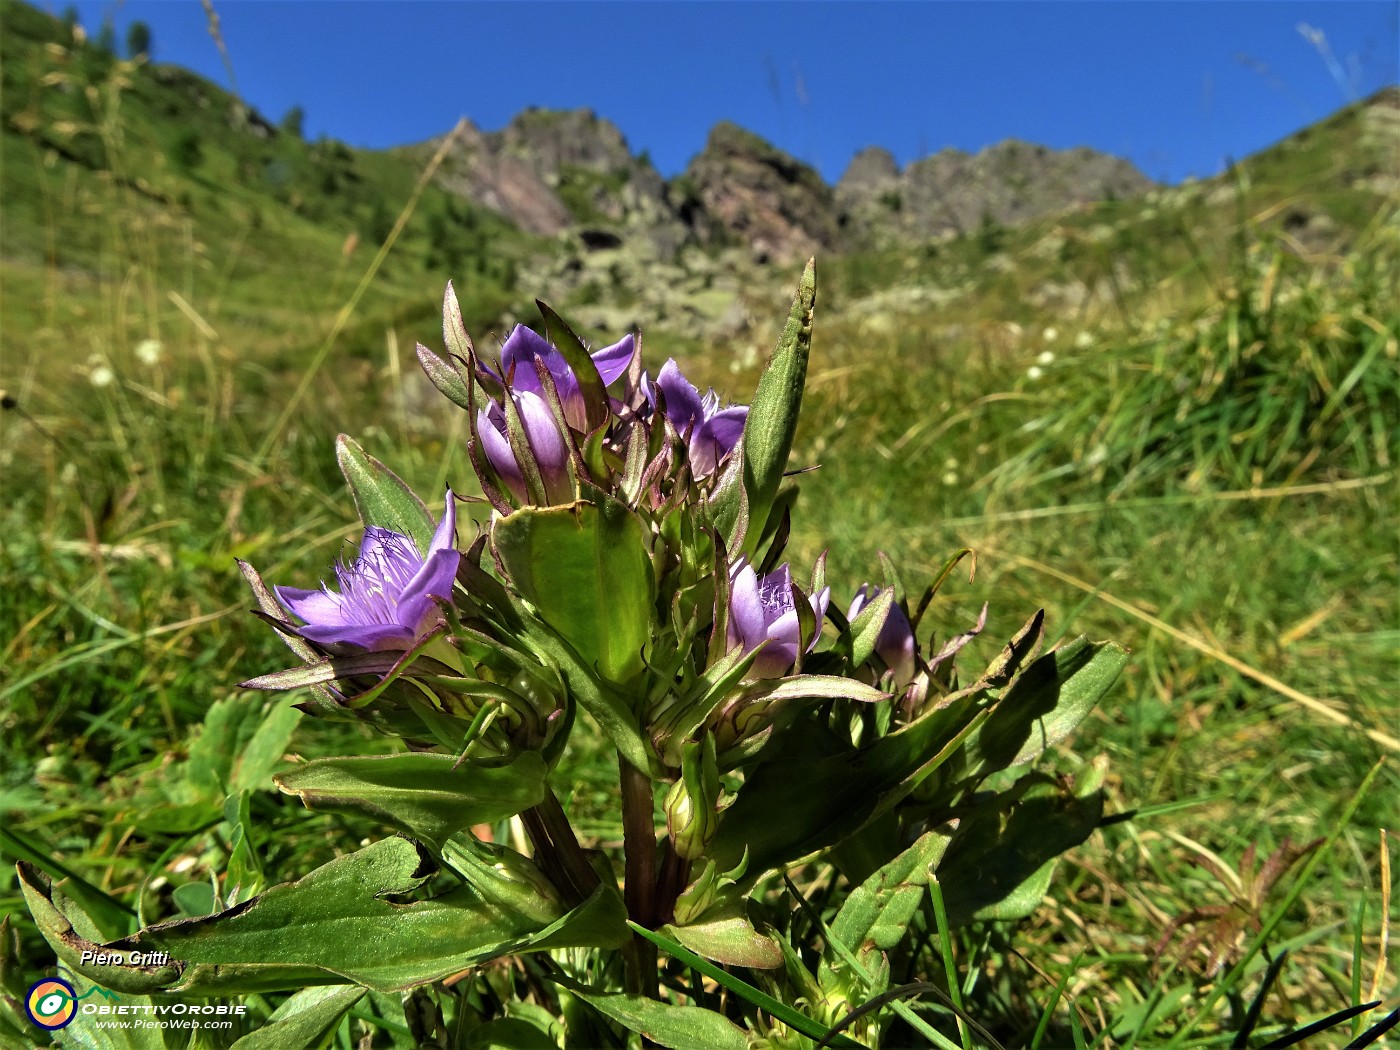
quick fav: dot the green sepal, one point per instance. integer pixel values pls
(381, 497)
(576, 355)
(866, 627)
(454, 331)
(449, 381)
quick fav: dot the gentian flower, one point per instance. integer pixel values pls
(761, 610)
(895, 644)
(546, 443)
(385, 601)
(710, 432)
(523, 346)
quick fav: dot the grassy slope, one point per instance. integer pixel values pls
(931, 435)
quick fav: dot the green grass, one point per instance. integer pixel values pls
(1208, 476)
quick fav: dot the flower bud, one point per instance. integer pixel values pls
(692, 804)
(546, 447)
(523, 347)
(508, 880)
(895, 644)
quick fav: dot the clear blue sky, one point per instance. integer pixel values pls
(1176, 87)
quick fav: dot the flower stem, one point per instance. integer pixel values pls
(571, 854)
(557, 849)
(675, 873)
(639, 848)
(546, 856)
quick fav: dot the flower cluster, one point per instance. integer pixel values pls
(630, 561)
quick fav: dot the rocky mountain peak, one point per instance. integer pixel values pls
(742, 187)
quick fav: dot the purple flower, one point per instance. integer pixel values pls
(710, 432)
(386, 594)
(895, 644)
(523, 346)
(546, 444)
(761, 610)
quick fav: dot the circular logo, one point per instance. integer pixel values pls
(51, 1003)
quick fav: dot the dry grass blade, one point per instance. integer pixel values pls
(1383, 948)
(1312, 703)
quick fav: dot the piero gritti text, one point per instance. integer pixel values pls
(124, 958)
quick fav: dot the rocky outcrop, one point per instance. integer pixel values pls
(742, 189)
(956, 192)
(549, 171)
(511, 185)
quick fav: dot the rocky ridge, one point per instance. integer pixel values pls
(572, 173)
(952, 192)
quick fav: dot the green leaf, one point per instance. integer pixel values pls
(243, 878)
(85, 1034)
(726, 935)
(508, 1033)
(876, 916)
(772, 422)
(381, 498)
(586, 568)
(263, 752)
(243, 738)
(194, 899)
(1004, 853)
(339, 924)
(815, 687)
(430, 796)
(826, 789)
(308, 1019)
(677, 1027)
(1049, 699)
(586, 572)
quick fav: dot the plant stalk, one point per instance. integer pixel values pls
(580, 873)
(639, 849)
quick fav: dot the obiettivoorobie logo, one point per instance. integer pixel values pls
(51, 1003)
